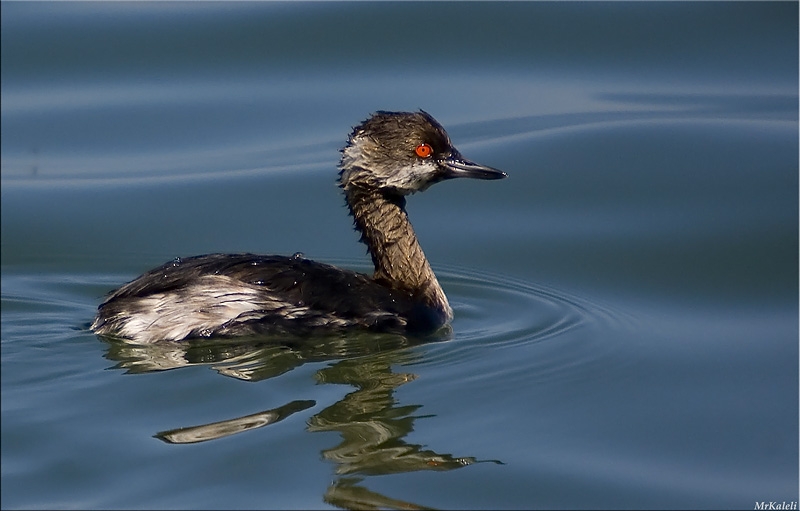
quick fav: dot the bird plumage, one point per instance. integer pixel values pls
(387, 157)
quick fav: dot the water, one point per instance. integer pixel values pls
(626, 330)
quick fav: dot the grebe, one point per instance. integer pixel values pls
(388, 156)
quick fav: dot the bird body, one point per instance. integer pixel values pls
(387, 157)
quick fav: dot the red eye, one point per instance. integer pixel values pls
(424, 151)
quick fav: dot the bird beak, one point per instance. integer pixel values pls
(457, 166)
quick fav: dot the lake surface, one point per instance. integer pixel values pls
(626, 302)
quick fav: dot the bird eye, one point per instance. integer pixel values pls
(423, 151)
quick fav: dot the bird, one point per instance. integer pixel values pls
(387, 157)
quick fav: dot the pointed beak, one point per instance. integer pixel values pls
(458, 166)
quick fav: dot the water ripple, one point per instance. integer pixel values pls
(546, 333)
(551, 332)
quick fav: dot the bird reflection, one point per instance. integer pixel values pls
(347, 494)
(205, 432)
(370, 421)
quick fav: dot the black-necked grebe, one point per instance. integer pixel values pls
(388, 156)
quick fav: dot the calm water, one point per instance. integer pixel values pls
(626, 330)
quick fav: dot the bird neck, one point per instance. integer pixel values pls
(399, 260)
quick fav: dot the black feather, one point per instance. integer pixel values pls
(321, 287)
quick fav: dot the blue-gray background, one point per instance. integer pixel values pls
(626, 329)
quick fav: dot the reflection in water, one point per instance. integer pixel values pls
(372, 424)
(254, 358)
(345, 493)
(205, 432)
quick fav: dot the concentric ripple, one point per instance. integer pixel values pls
(557, 334)
(553, 331)
(509, 310)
